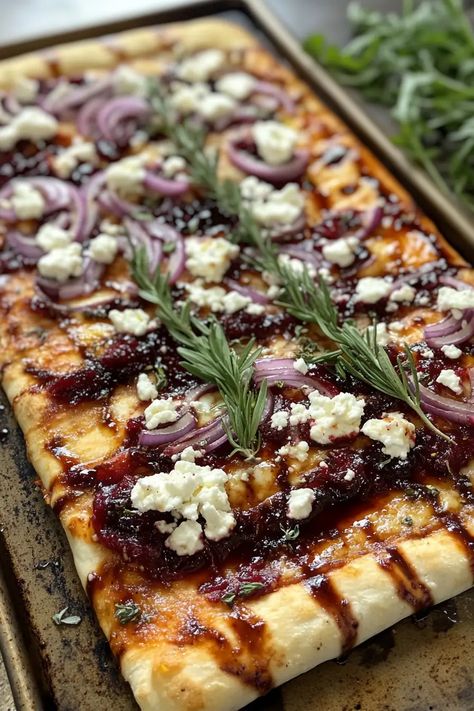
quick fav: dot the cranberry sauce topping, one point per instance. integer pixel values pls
(124, 357)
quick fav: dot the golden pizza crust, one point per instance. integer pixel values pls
(298, 632)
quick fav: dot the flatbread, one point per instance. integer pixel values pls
(368, 566)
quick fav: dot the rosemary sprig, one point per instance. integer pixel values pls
(359, 353)
(127, 612)
(206, 353)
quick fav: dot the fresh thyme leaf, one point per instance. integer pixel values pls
(60, 618)
(245, 590)
(420, 63)
(160, 375)
(359, 354)
(127, 612)
(291, 534)
(207, 354)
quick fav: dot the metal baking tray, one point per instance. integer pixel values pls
(421, 664)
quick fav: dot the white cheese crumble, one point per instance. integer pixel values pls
(372, 289)
(300, 502)
(67, 161)
(341, 251)
(187, 99)
(127, 82)
(26, 90)
(146, 388)
(217, 299)
(279, 419)
(63, 263)
(135, 321)
(299, 414)
(215, 106)
(159, 412)
(275, 142)
(272, 207)
(395, 432)
(450, 380)
(103, 248)
(349, 475)
(209, 257)
(334, 417)
(27, 202)
(404, 293)
(50, 236)
(297, 451)
(188, 492)
(300, 366)
(451, 351)
(32, 124)
(457, 299)
(238, 85)
(173, 165)
(200, 67)
(126, 176)
(186, 538)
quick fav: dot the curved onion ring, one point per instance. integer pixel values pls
(269, 89)
(87, 117)
(276, 370)
(24, 244)
(80, 286)
(154, 438)
(163, 186)
(451, 331)
(78, 96)
(116, 112)
(256, 296)
(446, 407)
(370, 219)
(141, 238)
(252, 165)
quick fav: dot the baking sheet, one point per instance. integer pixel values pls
(418, 665)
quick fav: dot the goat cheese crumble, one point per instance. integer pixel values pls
(404, 293)
(50, 236)
(188, 492)
(371, 289)
(300, 503)
(238, 85)
(159, 412)
(103, 248)
(298, 451)
(451, 351)
(279, 419)
(27, 202)
(200, 67)
(275, 142)
(62, 263)
(334, 417)
(209, 257)
(126, 176)
(31, 124)
(134, 321)
(450, 380)
(67, 161)
(395, 432)
(455, 299)
(341, 251)
(146, 388)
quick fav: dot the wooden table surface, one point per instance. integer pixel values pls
(30, 18)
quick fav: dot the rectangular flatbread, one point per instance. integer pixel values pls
(224, 556)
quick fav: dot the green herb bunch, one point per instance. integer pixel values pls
(420, 63)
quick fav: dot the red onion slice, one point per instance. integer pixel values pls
(177, 261)
(77, 96)
(447, 407)
(282, 370)
(451, 331)
(370, 219)
(140, 237)
(118, 117)
(299, 252)
(256, 296)
(164, 435)
(81, 286)
(86, 121)
(24, 245)
(276, 175)
(269, 89)
(163, 186)
(447, 280)
(200, 438)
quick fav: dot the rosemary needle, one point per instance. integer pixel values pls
(206, 353)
